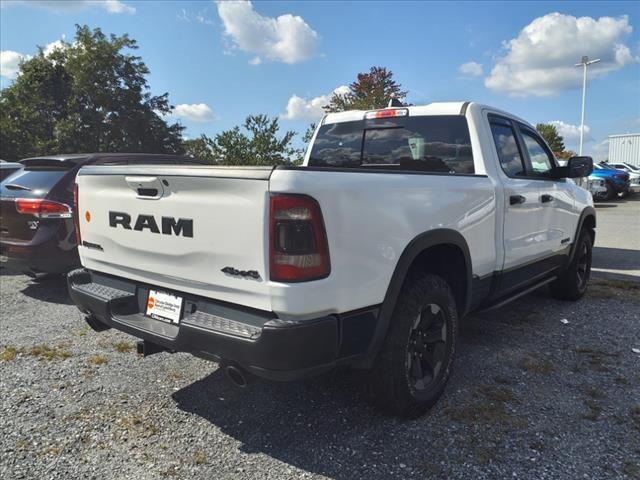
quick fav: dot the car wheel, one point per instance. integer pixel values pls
(610, 191)
(415, 361)
(572, 283)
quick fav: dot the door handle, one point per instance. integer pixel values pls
(516, 199)
(546, 198)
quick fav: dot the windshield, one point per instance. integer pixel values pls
(422, 143)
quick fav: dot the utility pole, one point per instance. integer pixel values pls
(584, 63)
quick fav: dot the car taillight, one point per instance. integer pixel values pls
(76, 213)
(298, 250)
(623, 176)
(42, 208)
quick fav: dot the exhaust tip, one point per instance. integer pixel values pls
(236, 376)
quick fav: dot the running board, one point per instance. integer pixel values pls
(522, 293)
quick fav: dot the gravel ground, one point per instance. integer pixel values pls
(531, 397)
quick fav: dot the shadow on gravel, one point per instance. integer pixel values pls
(51, 289)
(327, 426)
(314, 425)
(8, 273)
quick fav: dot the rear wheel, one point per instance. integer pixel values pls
(415, 362)
(572, 283)
(610, 191)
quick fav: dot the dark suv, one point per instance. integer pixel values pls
(37, 233)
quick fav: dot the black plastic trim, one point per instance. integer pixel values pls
(418, 245)
(587, 212)
(279, 350)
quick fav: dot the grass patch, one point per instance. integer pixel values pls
(536, 364)
(498, 394)
(485, 455)
(136, 425)
(598, 359)
(52, 450)
(504, 380)
(199, 457)
(593, 410)
(624, 381)
(9, 353)
(635, 415)
(98, 360)
(123, 347)
(631, 469)
(611, 288)
(488, 406)
(45, 352)
(595, 393)
(537, 445)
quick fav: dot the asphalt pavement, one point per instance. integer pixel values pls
(617, 249)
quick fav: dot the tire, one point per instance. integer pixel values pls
(572, 283)
(611, 192)
(414, 363)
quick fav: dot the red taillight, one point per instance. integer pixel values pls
(298, 240)
(42, 208)
(76, 214)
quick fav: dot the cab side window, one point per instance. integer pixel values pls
(507, 147)
(541, 163)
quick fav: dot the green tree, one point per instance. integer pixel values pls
(90, 95)
(370, 91)
(200, 148)
(257, 142)
(551, 136)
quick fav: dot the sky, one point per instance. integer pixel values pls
(222, 61)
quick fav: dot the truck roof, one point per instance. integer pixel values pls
(435, 108)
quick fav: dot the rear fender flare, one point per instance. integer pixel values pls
(418, 245)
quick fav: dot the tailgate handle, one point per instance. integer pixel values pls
(146, 187)
(148, 192)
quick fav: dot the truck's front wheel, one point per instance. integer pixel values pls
(414, 364)
(572, 283)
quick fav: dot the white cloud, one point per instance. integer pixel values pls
(540, 60)
(287, 38)
(9, 63)
(196, 112)
(49, 48)
(63, 6)
(299, 108)
(471, 69)
(599, 151)
(570, 133)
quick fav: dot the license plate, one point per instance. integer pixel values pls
(164, 306)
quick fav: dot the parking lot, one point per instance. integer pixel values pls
(540, 389)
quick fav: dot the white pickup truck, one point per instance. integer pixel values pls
(399, 222)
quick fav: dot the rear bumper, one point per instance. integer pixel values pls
(34, 259)
(257, 341)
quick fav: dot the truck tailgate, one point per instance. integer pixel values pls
(178, 228)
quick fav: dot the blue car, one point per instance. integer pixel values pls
(616, 181)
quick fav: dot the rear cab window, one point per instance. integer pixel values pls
(436, 144)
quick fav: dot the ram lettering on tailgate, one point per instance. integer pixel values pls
(169, 225)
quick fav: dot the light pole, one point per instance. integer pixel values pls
(584, 63)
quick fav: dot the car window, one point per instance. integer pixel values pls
(504, 138)
(541, 163)
(422, 143)
(34, 181)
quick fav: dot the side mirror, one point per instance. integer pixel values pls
(577, 167)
